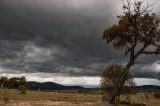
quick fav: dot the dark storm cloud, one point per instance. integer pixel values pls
(58, 36)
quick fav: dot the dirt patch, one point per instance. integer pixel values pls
(47, 103)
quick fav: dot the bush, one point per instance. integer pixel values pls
(6, 99)
(5, 96)
(157, 94)
(22, 89)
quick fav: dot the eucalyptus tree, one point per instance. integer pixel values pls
(136, 33)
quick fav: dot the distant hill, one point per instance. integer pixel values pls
(50, 86)
(55, 86)
(148, 87)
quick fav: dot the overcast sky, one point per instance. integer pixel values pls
(61, 40)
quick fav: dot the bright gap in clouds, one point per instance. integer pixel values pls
(61, 79)
(51, 77)
(147, 81)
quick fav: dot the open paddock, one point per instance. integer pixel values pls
(12, 97)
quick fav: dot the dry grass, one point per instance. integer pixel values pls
(48, 103)
(36, 98)
(13, 94)
(142, 98)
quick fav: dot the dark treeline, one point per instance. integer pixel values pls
(14, 82)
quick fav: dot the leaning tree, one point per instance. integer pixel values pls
(110, 76)
(136, 33)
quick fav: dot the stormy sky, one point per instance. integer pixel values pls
(61, 40)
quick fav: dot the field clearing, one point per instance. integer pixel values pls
(41, 98)
(48, 103)
(13, 94)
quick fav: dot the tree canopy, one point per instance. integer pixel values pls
(136, 33)
(137, 29)
(13, 82)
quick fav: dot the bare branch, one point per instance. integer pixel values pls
(127, 51)
(141, 51)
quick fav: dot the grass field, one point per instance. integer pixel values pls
(74, 98)
(141, 98)
(13, 94)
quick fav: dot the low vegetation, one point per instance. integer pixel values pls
(157, 94)
(13, 82)
(14, 94)
(76, 97)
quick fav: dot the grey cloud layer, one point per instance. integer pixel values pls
(59, 36)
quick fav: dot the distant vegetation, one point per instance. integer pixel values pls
(13, 83)
(13, 88)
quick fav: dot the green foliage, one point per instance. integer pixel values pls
(157, 94)
(22, 89)
(135, 33)
(13, 82)
(137, 26)
(4, 81)
(111, 75)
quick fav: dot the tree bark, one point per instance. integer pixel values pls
(116, 90)
(119, 84)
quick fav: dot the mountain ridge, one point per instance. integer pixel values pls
(33, 85)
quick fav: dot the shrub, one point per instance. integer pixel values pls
(22, 89)
(6, 99)
(157, 94)
(5, 96)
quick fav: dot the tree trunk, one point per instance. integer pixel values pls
(116, 90)
(119, 84)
